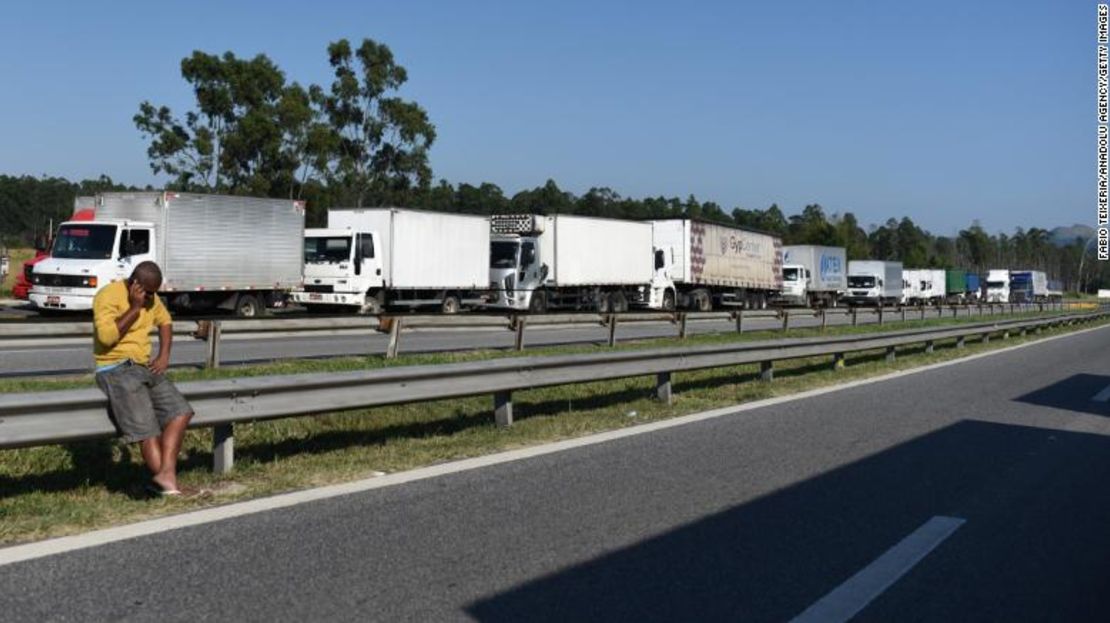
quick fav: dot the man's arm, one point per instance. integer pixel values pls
(161, 363)
(136, 296)
(109, 328)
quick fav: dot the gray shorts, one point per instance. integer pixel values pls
(141, 403)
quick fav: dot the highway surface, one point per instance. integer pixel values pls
(72, 355)
(970, 492)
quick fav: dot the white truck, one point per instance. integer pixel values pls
(923, 286)
(874, 282)
(538, 262)
(371, 259)
(998, 286)
(713, 264)
(239, 254)
(813, 275)
(5, 264)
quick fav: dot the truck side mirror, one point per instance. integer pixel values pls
(543, 273)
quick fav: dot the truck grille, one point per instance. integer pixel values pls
(60, 281)
(319, 289)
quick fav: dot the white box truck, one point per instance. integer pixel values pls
(563, 261)
(712, 264)
(813, 275)
(370, 259)
(922, 286)
(874, 282)
(998, 286)
(240, 254)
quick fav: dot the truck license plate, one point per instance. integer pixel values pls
(53, 300)
(315, 297)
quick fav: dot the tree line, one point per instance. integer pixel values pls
(356, 142)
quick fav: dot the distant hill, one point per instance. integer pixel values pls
(1063, 236)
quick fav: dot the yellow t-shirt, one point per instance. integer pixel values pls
(108, 345)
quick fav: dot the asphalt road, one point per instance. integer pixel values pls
(756, 516)
(73, 357)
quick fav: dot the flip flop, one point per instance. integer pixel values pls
(154, 489)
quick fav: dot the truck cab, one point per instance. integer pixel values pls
(998, 286)
(516, 272)
(795, 284)
(86, 257)
(341, 269)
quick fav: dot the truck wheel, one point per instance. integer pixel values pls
(702, 301)
(668, 300)
(248, 307)
(538, 304)
(450, 305)
(602, 304)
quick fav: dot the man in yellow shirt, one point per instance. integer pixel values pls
(144, 404)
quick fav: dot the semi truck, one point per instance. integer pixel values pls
(998, 286)
(538, 262)
(239, 254)
(922, 286)
(960, 286)
(1028, 286)
(814, 276)
(371, 259)
(874, 282)
(713, 264)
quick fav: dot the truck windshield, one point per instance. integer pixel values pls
(85, 242)
(861, 282)
(327, 249)
(996, 284)
(503, 254)
(790, 274)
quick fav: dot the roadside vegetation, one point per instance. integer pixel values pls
(57, 490)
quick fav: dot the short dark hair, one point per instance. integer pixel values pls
(147, 274)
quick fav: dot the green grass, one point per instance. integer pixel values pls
(56, 490)
(18, 256)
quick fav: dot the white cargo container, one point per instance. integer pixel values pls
(216, 252)
(922, 286)
(575, 262)
(371, 258)
(712, 263)
(874, 282)
(814, 275)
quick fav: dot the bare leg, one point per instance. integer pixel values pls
(151, 449)
(166, 477)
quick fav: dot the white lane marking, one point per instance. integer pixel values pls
(1102, 396)
(846, 600)
(29, 551)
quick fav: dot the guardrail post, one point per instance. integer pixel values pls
(960, 341)
(394, 337)
(1022, 332)
(987, 338)
(767, 371)
(1006, 335)
(824, 319)
(903, 310)
(785, 320)
(890, 354)
(740, 320)
(682, 326)
(940, 310)
(838, 361)
(223, 448)
(853, 316)
(955, 310)
(929, 346)
(879, 310)
(612, 330)
(503, 408)
(921, 312)
(663, 387)
(212, 356)
(521, 321)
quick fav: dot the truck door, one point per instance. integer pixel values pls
(366, 262)
(136, 246)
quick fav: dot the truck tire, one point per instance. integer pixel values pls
(248, 306)
(538, 304)
(618, 303)
(602, 304)
(703, 302)
(450, 305)
(668, 300)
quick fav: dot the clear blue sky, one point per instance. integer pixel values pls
(943, 111)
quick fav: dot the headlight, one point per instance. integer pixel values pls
(89, 282)
(36, 279)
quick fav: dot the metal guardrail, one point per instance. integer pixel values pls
(43, 418)
(27, 334)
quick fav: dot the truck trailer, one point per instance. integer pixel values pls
(240, 254)
(922, 286)
(814, 276)
(370, 259)
(874, 282)
(538, 262)
(713, 264)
